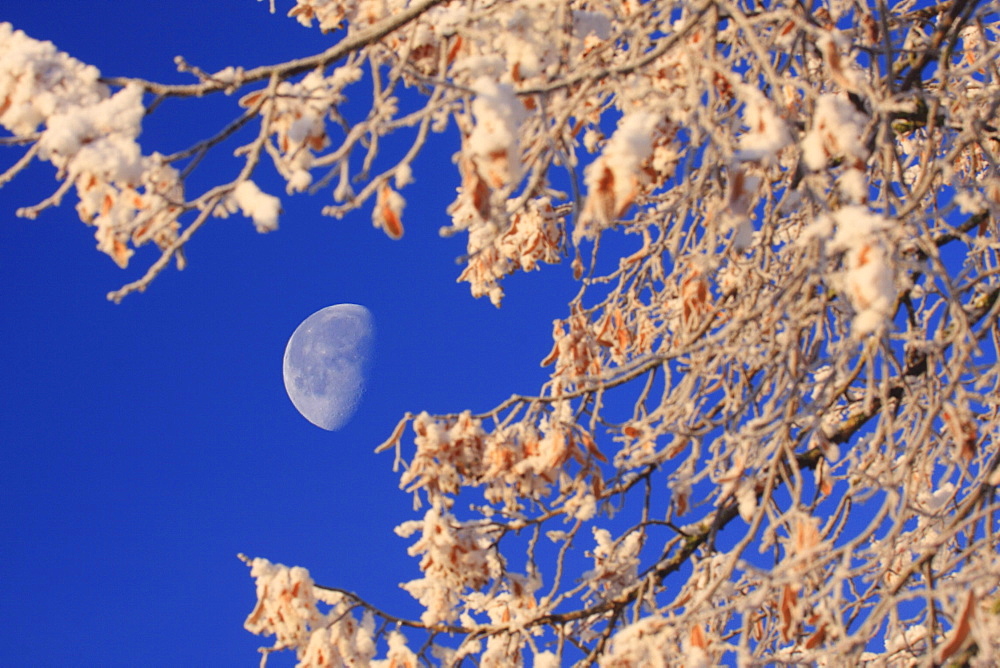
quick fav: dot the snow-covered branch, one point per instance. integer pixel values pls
(769, 429)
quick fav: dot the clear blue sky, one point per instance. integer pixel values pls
(142, 446)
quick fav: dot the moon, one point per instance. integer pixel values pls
(326, 361)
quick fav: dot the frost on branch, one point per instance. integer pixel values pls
(533, 235)
(616, 564)
(298, 113)
(288, 608)
(739, 390)
(511, 464)
(767, 427)
(454, 556)
(89, 135)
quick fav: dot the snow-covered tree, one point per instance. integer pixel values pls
(769, 433)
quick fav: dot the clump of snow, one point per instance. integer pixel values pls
(934, 502)
(399, 655)
(650, 641)
(912, 638)
(493, 141)
(298, 119)
(547, 660)
(970, 201)
(89, 135)
(228, 75)
(855, 224)
(614, 179)
(329, 13)
(288, 608)
(98, 139)
(454, 556)
(38, 81)
(868, 278)
(262, 208)
(836, 132)
(404, 175)
(286, 602)
(767, 133)
(853, 185)
(746, 499)
(87, 130)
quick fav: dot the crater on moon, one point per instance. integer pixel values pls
(326, 361)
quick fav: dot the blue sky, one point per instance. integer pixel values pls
(144, 445)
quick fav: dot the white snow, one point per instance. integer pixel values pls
(37, 81)
(868, 279)
(493, 141)
(836, 133)
(613, 179)
(767, 133)
(262, 208)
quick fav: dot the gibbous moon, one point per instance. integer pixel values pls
(325, 364)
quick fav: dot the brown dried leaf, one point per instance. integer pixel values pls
(698, 638)
(962, 628)
(788, 612)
